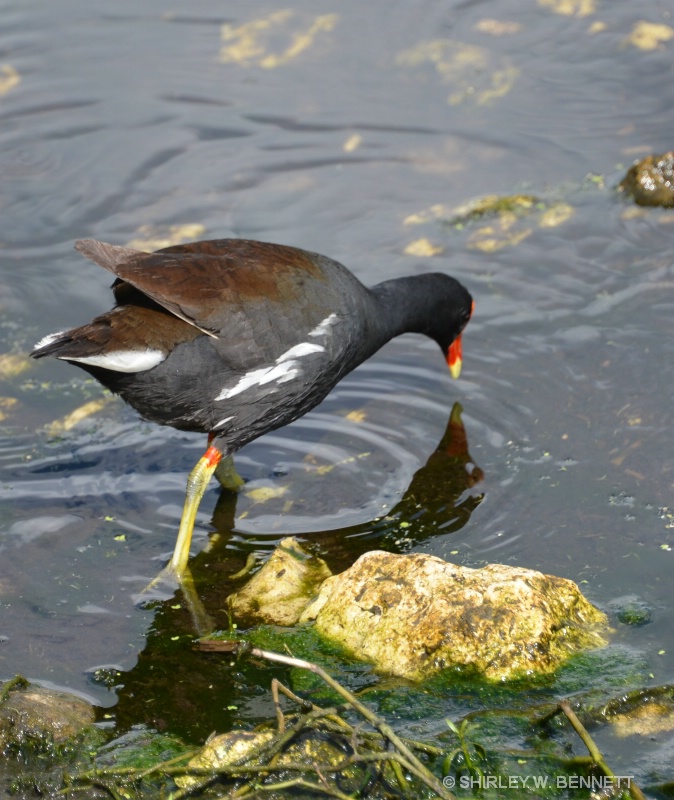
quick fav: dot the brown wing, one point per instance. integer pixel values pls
(204, 282)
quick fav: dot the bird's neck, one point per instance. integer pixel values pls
(405, 305)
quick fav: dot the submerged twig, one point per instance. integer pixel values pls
(246, 569)
(413, 764)
(595, 753)
(276, 687)
(301, 783)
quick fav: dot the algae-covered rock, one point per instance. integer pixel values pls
(31, 716)
(650, 181)
(412, 615)
(224, 750)
(314, 748)
(631, 610)
(140, 748)
(282, 589)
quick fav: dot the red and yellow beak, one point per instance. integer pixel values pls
(455, 352)
(454, 357)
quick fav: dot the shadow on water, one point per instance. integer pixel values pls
(442, 495)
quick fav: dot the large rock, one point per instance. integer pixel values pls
(412, 615)
(282, 589)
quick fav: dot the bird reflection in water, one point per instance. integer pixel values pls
(439, 500)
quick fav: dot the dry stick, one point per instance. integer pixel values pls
(95, 782)
(113, 791)
(406, 759)
(280, 719)
(331, 720)
(324, 782)
(273, 750)
(240, 771)
(425, 774)
(344, 727)
(232, 770)
(165, 764)
(576, 761)
(102, 777)
(232, 646)
(593, 750)
(276, 687)
(166, 767)
(302, 784)
(276, 745)
(337, 725)
(252, 790)
(295, 697)
(397, 771)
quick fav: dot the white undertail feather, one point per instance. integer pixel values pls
(50, 338)
(122, 360)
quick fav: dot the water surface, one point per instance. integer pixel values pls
(355, 131)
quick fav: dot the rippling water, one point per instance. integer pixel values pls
(357, 132)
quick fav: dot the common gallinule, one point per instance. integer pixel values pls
(236, 338)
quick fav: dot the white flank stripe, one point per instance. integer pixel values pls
(323, 327)
(284, 370)
(299, 350)
(222, 422)
(45, 340)
(258, 377)
(122, 360)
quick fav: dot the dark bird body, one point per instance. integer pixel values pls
(236, 338)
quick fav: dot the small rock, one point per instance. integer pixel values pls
(650, 719)
(282, 589)
(413, 615)
(651, 181)
(631, 610)
(311, 747)
(33, 716)
(223, 750)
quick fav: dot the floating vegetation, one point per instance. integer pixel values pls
(155, 237)
(496, 221)
(470, 71)
(249, 44)
(650, 35)
(9, 78)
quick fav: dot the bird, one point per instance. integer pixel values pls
(235, 338)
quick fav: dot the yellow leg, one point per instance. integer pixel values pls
(196, 486)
